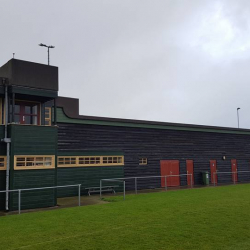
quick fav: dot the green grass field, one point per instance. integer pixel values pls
(205, 218)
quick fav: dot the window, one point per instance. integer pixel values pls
(89, 160)
(34, 162)
(48, 116)
(26, 112)
(143, 161)
(85, 161)
(3, 162)
(66, 161)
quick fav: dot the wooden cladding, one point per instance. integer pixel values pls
(3, 160)
(26, 162)
(143, 161)
(48, 116)
(87, 161)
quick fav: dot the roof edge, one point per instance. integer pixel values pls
(70, 107)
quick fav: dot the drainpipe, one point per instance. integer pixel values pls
(8, 141)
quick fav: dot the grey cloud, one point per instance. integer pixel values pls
(177, 61)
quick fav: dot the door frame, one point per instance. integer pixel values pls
(170, 180)
(214, 177)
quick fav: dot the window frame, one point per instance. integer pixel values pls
(22, 112)
(143, 161)
(4, 161)
(96, 161)
(36, 161)
(50, 115)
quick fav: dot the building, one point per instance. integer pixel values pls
(42, 148)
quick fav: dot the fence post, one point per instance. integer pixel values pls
(19, 201)
(135, 185)
(124, 186)
(79, 195)
(100, 188)
(165, 183)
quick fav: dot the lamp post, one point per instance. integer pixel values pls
(238, 117)
(49, 47)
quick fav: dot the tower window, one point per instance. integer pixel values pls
(26, 113)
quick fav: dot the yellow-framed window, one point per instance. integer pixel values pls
(25, 162)
(3, 162)
(143, 161)
(67, 161)
(48, 116)
(85, 161)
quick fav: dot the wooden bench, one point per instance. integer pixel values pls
(104, 189)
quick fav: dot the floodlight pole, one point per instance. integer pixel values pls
(49, 47)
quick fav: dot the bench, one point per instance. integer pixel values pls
(104, 189)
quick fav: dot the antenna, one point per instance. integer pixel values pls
(13, 55)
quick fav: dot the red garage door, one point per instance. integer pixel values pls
(213, 169)
(190, 170)
(234, 170)
(170, 167)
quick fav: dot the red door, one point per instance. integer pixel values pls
(190, 170)
(213, 170)
(234, 170)
(168, 168)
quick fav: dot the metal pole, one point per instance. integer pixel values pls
(124, 187)
(79, 195)
(8, 147)
(191, 180)
(165, 183)
(19, 201)
(214, 178)
(48, 55)
(100, 188)
(238, 117)
(135, 185)
(234, 177)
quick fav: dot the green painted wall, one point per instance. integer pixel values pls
(2, 144)
(87, 176)
(33, 140)
(2, 173)
(34, 179)
(2, 187)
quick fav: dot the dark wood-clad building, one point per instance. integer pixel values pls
(42, 148)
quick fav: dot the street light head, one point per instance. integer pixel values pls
(238, 108)
(49, 47)
(41, 44)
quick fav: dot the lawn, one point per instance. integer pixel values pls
(205, 218)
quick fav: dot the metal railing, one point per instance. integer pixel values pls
(42, 188)
(136, 178)
(234, 175)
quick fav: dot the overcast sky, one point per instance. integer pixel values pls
(184, 61)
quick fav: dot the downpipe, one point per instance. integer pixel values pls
(7, 141)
